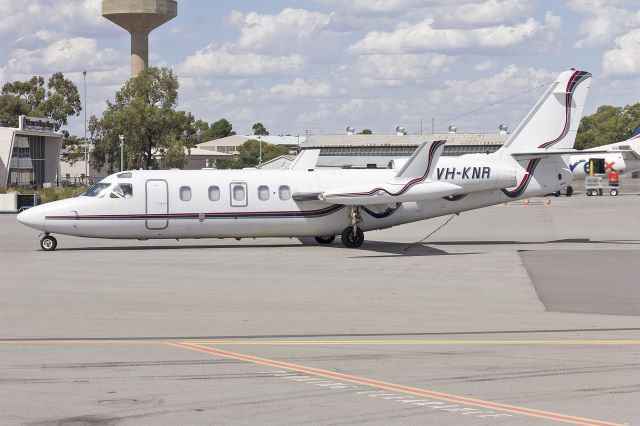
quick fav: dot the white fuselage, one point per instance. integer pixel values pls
(613, 161)
(160, 205)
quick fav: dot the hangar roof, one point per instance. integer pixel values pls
(314, 141)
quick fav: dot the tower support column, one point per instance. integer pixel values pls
(139, 52)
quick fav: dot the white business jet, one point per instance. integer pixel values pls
(622, 157)
(308, 202)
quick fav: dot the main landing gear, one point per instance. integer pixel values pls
(352, 236)
(48, 243)
(325, 240)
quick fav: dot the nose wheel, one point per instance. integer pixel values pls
(48, 243)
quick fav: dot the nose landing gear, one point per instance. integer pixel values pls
(352, 236)
(48, 243)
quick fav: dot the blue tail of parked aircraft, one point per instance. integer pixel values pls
(636, 132)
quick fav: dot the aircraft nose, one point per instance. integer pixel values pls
(33, 218)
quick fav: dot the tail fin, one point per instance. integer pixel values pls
(421, 165)
(635, 133)
(553, 121)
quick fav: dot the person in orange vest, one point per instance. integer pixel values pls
(614, 178)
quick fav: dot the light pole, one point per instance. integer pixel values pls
(86, 142)
(121, 153)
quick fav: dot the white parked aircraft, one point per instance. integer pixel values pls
(308, 202)
(622, 157)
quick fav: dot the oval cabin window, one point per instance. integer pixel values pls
(284, 192)
(263, 193)
(238, 193)
(185, 193)
(214, 193)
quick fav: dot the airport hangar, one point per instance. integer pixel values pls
(376, 151)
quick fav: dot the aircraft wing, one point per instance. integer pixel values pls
(413, 182)
(387, 193)
(543, 153)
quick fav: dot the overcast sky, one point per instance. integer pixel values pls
(321, 65)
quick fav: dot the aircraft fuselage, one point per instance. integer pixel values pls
(260, 203)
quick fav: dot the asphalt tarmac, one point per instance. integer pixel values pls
(514, 314)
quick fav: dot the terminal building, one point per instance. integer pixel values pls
(376, 151)
(30, 154)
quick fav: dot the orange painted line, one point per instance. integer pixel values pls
(530, 412)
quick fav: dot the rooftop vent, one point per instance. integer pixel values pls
(351, 130)
(400, 131)
(453, 129)
(503, 129)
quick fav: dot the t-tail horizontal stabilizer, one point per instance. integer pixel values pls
(414, 182)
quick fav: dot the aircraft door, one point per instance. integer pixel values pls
(157, 203)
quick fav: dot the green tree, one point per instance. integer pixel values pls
(12, 107)
(174, 157)
(201, 129)
(608, 125)
(74, 148)
(249, 153)
(259, 129)
(366, 132)
(220, 129)
(144, 113)
(58, 101)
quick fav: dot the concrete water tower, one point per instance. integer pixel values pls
(139, 17)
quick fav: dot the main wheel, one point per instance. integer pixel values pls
(351, 239)
(556, 194)
(569, 191)
(613, 192)
(48, 243)
(325, 240)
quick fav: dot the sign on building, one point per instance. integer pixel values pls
(36, 124)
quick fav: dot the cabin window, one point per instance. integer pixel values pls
(284, 193)
(98, 190)
(263, 193)
(238, 193)
(185, 193)
(122, 190)
(214, 193)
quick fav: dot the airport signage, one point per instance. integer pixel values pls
(36, 124)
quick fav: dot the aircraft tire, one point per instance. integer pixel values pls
(325, 240)
(48, 243)
(351, 240)
(569, 191)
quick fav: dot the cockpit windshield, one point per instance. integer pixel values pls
(98, 190)
(122, 190)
